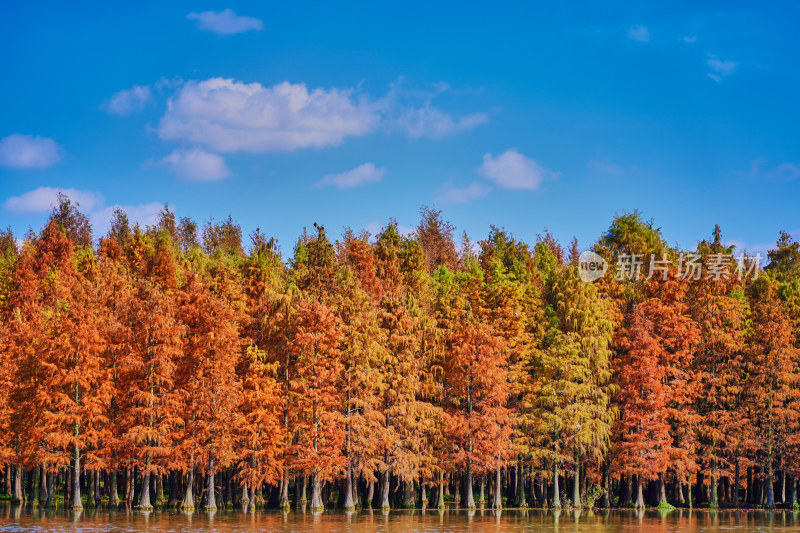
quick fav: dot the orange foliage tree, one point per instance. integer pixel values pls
(64, 382)
(654, 383)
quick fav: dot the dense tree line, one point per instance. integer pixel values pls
(174, 366)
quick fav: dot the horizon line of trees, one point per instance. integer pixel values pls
(169, 366)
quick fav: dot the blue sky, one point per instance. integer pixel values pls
(526, 117)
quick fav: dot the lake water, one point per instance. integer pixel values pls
(14, 518)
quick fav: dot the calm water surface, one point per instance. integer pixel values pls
(16, 518)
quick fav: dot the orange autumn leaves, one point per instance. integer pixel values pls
(390, 360)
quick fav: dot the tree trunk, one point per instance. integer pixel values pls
(211, 498)
(113, 491)
(714, 502)
(51, 490)
(93, 487)
(128, 485)
(783, 487)
(299, 492)
(349, 505)
(576, 486)
(91, 483)
(245, 497)
(793, 492)
(679, 496)
(385, 490)
(188, 494)
(35, 476)
(639, 504)
(689, 497)
(662, 488)
(539, 496)
(75, 500)
(370, 494)
(284, 498)
(316, 496)
(409, 495)
(497, 502)
(144, 498)
(605, 499)
(769, 500)
(43, 485)
(17, 496)
(556, 490)
(440, 499)
(521, 484)
(159, 479)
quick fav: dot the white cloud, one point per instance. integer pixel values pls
(226, 115)
(427, 121)
(225, 22)
(639, 33)
(128, 101)
(28, 151)
(366, 173)
(230, 116)
(196, 165)
(720, 68)
(143, 214)
(689, 39)
(513, 170)
(411, 111)
(42, 199)
(460, 195)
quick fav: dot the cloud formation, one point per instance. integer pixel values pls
(639, 34)
(513, 170)
(128, 101)
(28, 151)
(427, 121)
(720, 68)
(225, 22)
(196, 165)
(42, 199)
(449, 193)
(362, 174)
(226, 115)
(229, 116)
